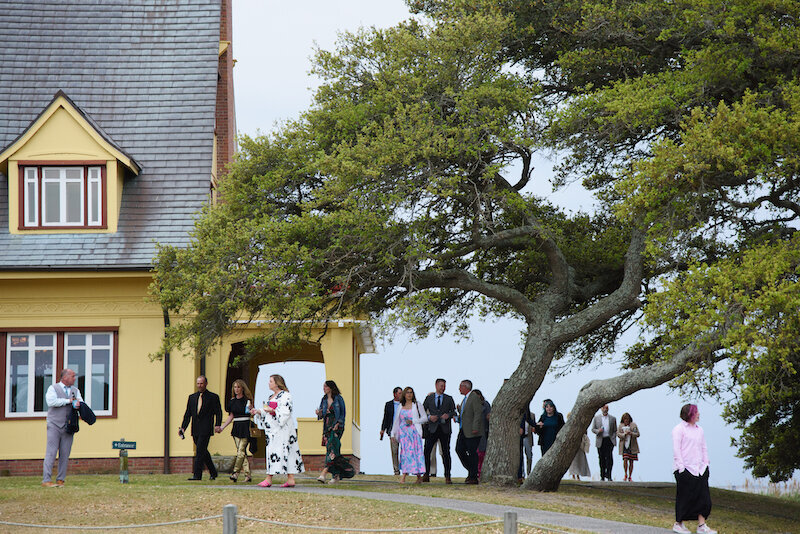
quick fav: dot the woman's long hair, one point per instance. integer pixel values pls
(280, 382)
(413, 396)
(245, 389)
(334, 388)
(546, 403)
(627, 416)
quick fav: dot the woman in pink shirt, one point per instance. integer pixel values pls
(690, 465)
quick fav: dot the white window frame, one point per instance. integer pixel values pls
(92, 203)
(88, 382)
(60, 357)
(31, 349)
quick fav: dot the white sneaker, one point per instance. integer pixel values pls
(705, 529)
(680, 529)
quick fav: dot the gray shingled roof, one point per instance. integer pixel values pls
(144, 72)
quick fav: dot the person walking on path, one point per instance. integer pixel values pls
(332, 411)
(628, 435)
(441, 409)
(580, 465)
(470, 430)
(690, 467)
(604, 426)
(407, 430)
(390, 410)
(205, 412)
(239, 414)
(61, 399)
(277, 420)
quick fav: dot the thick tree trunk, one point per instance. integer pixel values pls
(502, 453)
(543, 337)
(546, 475)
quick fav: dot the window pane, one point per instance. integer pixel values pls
(52, 202)
(51, 173)
(76, 339)
(43, 379)
(94, 203)
(74, 173)
(74, 202)
(44, 340)
(18, 373)
(76, 360)
(31, 212)
(19, 341)
(101, 379)
(101, 339)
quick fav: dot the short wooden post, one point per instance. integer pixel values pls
(229, 519)
(510, 523)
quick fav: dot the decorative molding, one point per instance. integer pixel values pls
(76, 308)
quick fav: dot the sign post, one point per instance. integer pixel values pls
(123, 447)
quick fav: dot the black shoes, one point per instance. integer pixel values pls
(194, 478)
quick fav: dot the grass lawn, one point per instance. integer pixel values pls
(646, 504)
(96, 500)
(102, 500)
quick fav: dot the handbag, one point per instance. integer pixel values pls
(255, 432)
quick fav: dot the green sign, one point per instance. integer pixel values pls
(123, 444)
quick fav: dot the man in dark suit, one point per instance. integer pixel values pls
(389, 410)
(440, 409)
(205, 412)
(470, 417)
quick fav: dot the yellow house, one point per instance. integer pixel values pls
(113, 138)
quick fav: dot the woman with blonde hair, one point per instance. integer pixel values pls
(239, 414)
(277, 419)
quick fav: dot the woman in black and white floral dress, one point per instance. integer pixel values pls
(280, 433)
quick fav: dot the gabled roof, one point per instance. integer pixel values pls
(144, 73)
(62, 101)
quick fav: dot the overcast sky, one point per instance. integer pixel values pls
(272, 44)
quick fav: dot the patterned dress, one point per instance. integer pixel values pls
(280, 434)
(412, 459)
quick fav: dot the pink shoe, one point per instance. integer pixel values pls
(287, 485)
(265, 484)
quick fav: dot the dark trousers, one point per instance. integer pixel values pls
(467, 451)
(202, 457)
(606, 454)
(444, 440)
(692, 497)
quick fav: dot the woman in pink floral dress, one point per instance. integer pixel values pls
(407, 430)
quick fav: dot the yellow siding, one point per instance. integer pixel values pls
(118, 300)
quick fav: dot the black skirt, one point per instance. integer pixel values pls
(692, 496)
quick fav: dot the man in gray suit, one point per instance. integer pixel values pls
(440, 409)
(61, 399)
(470, 430)
(605, 427)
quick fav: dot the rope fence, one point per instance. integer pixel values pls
(230, 517)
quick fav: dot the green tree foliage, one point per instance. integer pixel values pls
(394, 198)
(683, 116)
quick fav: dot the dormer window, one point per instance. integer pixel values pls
(69, 196)
(65, 174)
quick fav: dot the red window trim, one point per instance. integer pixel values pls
(61, 163)
(59, 364)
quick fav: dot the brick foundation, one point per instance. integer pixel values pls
(143, 465)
